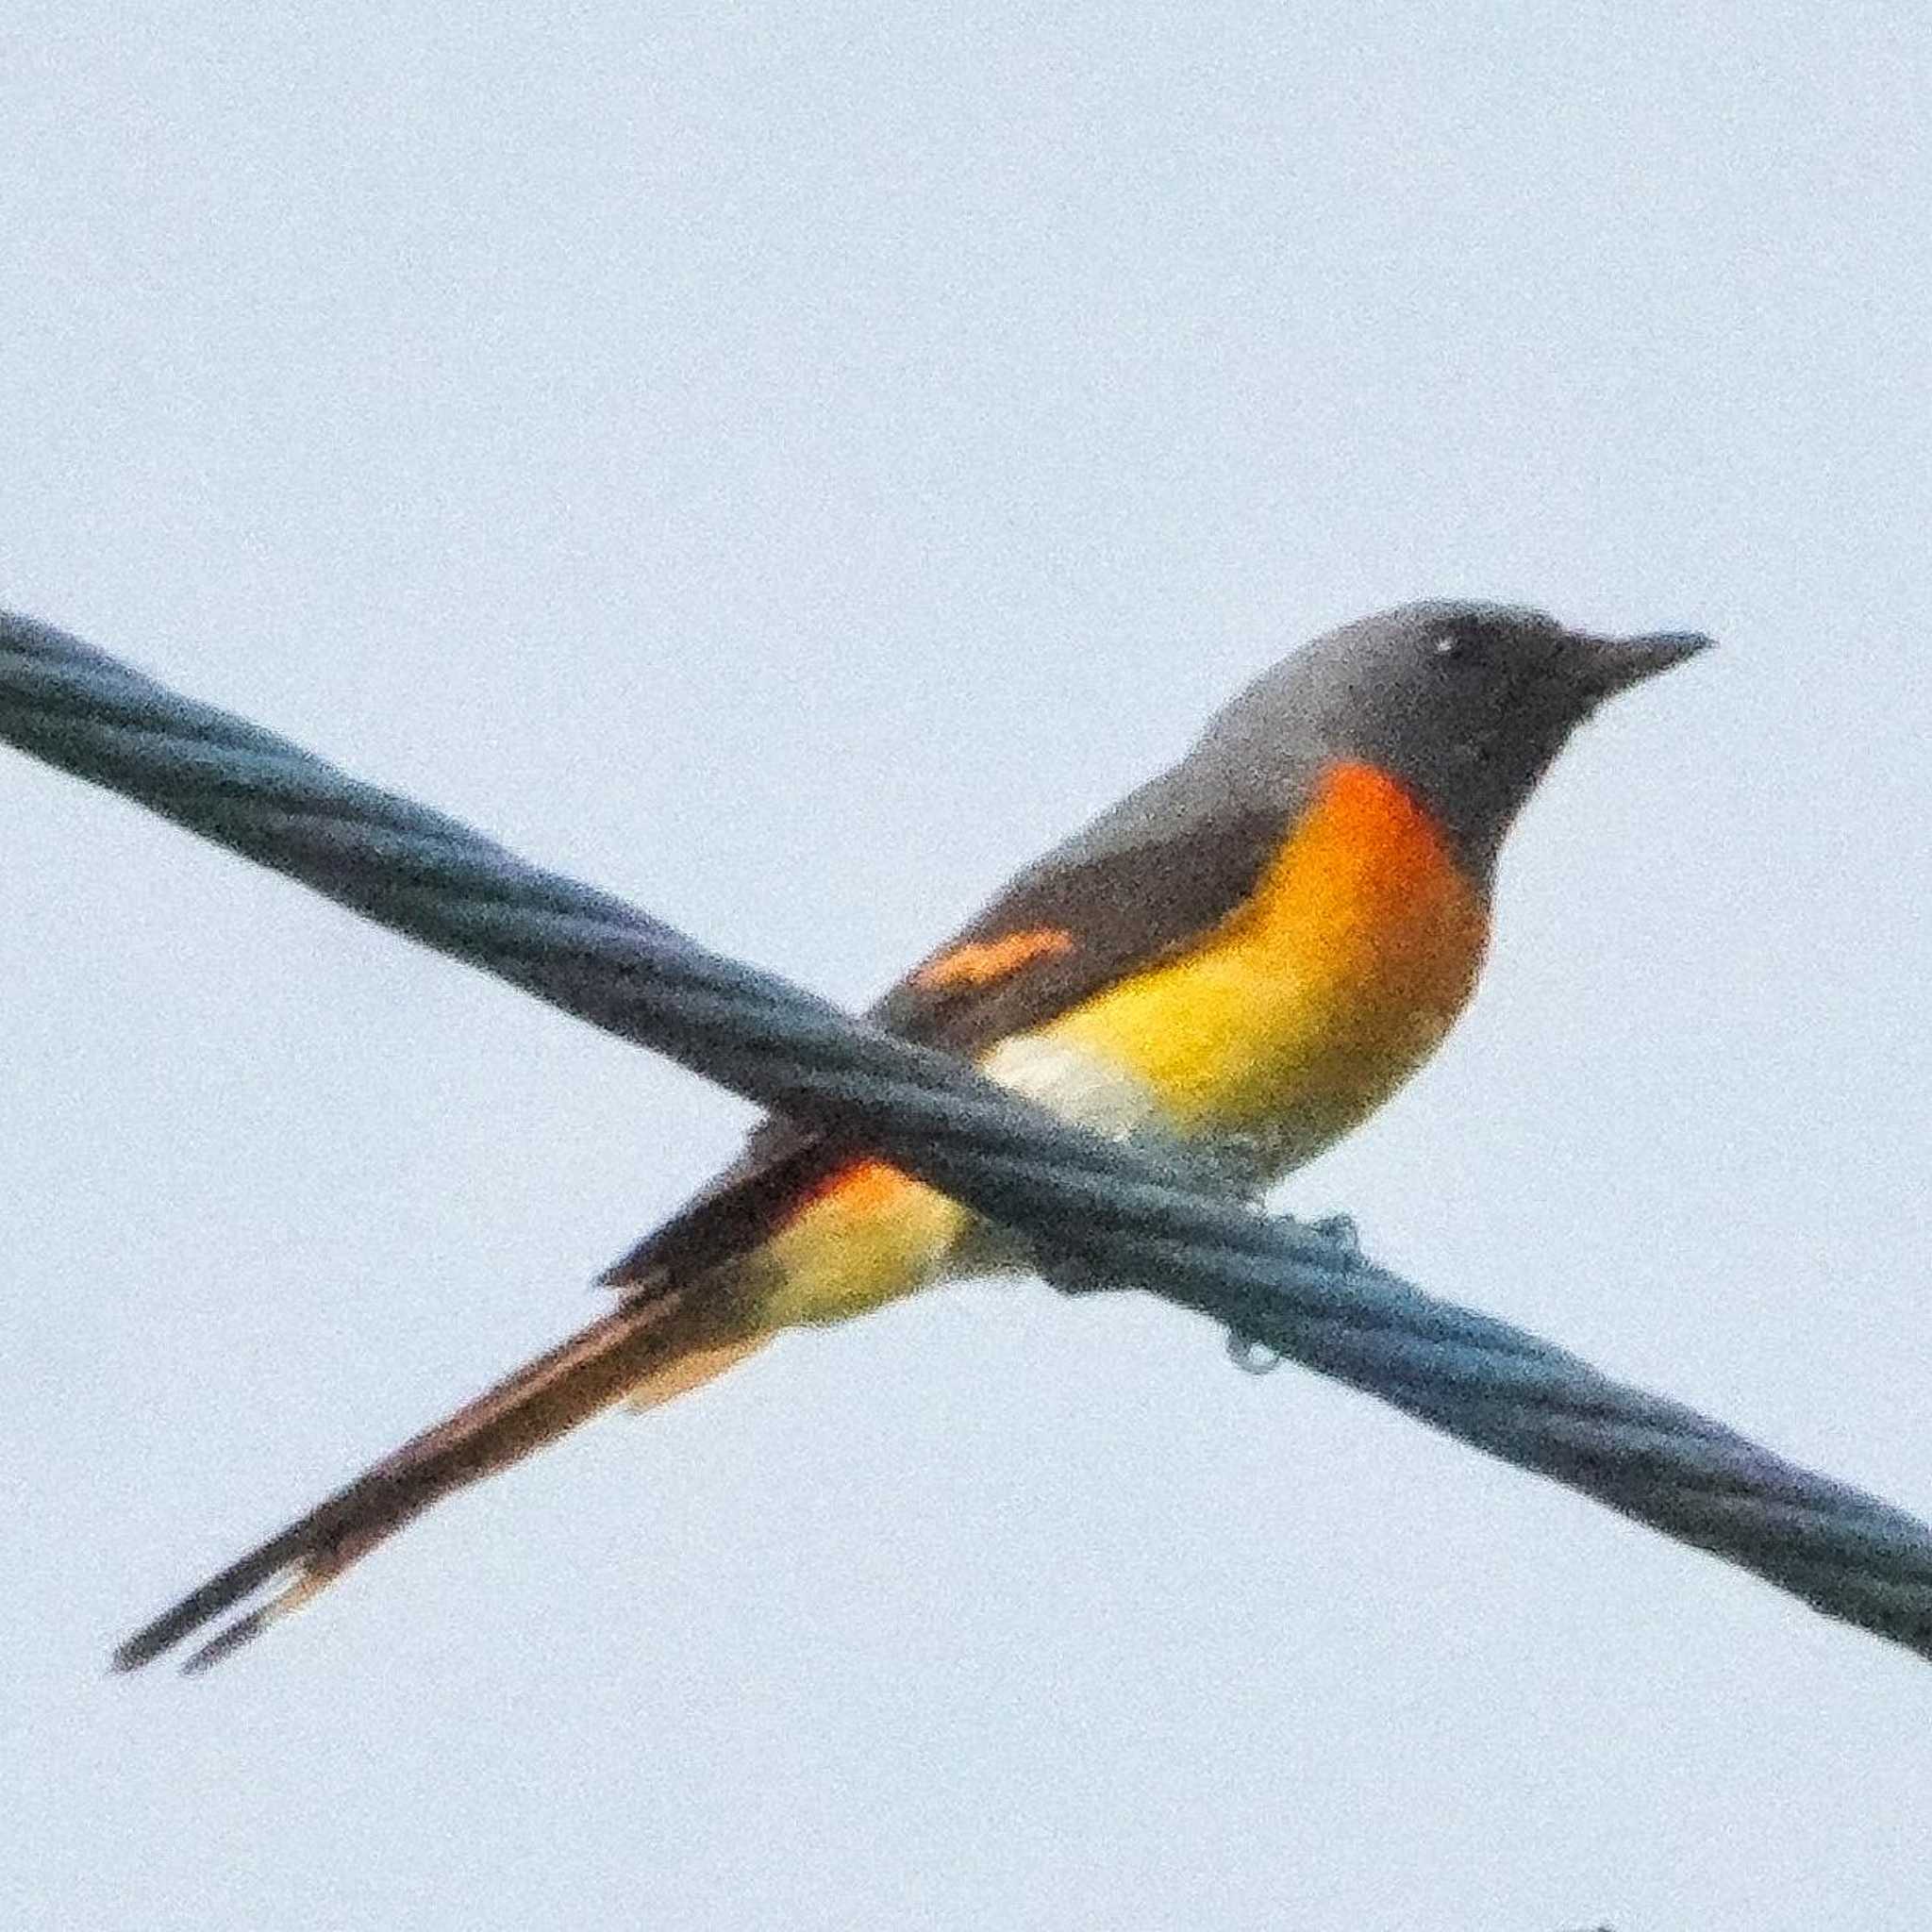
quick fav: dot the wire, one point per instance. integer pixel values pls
(1103, 1213)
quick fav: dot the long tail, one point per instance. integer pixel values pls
(647, 1350)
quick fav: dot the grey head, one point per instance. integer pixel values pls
(1464, 703)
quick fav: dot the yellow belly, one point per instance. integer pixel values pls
(1286, 1025)
(1335, 980)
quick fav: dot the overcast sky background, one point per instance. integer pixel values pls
(789, 465)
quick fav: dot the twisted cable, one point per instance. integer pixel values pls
(1101, 1213)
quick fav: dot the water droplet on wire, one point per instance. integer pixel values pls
(1250, 1357)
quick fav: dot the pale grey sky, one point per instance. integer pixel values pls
(790, 464)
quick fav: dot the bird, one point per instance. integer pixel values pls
(1246, 956)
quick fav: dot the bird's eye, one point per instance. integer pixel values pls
(1458, 647)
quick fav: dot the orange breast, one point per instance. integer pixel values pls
(1287, 1023)
(1306, 1008)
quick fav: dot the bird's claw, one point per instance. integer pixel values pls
(1342, 1231)
(1253, 1356)
(1072, 1274)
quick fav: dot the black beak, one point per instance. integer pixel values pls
(1613, 664)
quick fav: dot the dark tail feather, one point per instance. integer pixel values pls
(640, 1350)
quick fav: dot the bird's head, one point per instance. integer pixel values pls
(1464, 703)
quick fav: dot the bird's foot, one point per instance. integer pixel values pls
(1072, 1275)
(1342, 1230)
(1255, 1357)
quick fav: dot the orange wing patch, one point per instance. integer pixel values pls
(979, 961)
